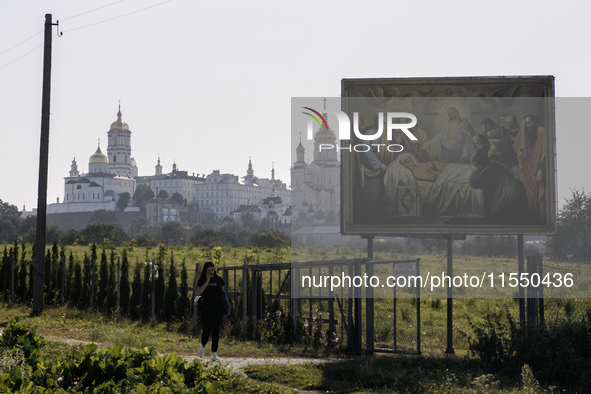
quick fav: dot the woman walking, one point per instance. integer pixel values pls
(210, 287)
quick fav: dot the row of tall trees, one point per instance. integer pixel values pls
(93, 282)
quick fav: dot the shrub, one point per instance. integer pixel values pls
(108, 370)
(558, 353)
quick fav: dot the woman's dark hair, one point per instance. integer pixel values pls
(203, 275)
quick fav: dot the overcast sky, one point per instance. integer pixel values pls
(209, 84)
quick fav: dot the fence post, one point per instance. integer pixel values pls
(253, 290)
(118, 287)
(244, 293)
(295, 293)
(331, 325)
(226, 278)
(195, 279)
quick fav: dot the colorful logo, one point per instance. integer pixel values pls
(315, 118)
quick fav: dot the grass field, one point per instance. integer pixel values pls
(433, 371)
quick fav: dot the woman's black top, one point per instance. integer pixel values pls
(212, 302)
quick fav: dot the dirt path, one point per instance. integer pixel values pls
(231, 362)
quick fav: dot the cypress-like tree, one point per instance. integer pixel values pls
(47, 279)
(125, 290)
(6, 273)
(69, 277)
(136, 292)
(112, 283)
(22, 274)
(84, 300)
(160, 289)
(15, 258)
(183, 304)
(103, 280)
(93, 281)
(77, 289)
(55, 264)
(146, 297)
(29, 294)
(171, 294)
(60, 274)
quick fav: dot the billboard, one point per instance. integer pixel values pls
(471, 155)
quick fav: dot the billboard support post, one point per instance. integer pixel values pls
(450, 305)
(521, 270)
(369, 304)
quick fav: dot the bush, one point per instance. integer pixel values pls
(559, 354)
(108, 370)
(269, 239)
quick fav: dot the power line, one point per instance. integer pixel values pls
(22, 42)
(119, 16)
(20, 57)
(88, 12)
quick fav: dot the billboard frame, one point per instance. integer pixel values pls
(450, 87)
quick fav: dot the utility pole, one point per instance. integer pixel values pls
(43, 165)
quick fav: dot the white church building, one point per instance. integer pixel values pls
(108, 175)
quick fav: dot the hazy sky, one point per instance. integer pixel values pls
(209, 84)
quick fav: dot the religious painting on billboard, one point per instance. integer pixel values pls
(448, 155)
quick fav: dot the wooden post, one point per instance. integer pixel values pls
(39, 279)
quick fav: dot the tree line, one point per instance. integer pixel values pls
(247, 230)
(93, 283)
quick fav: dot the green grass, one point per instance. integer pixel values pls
(65, 323)
(394, 374)
(433, 372)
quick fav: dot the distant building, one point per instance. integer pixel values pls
(106, 178)
(162, 210)
(224, 194)
(276, 211)
(316, 187)
(173, 182)
(205, 199)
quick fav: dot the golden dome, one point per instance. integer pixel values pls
(98, 157)
(119, 124)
